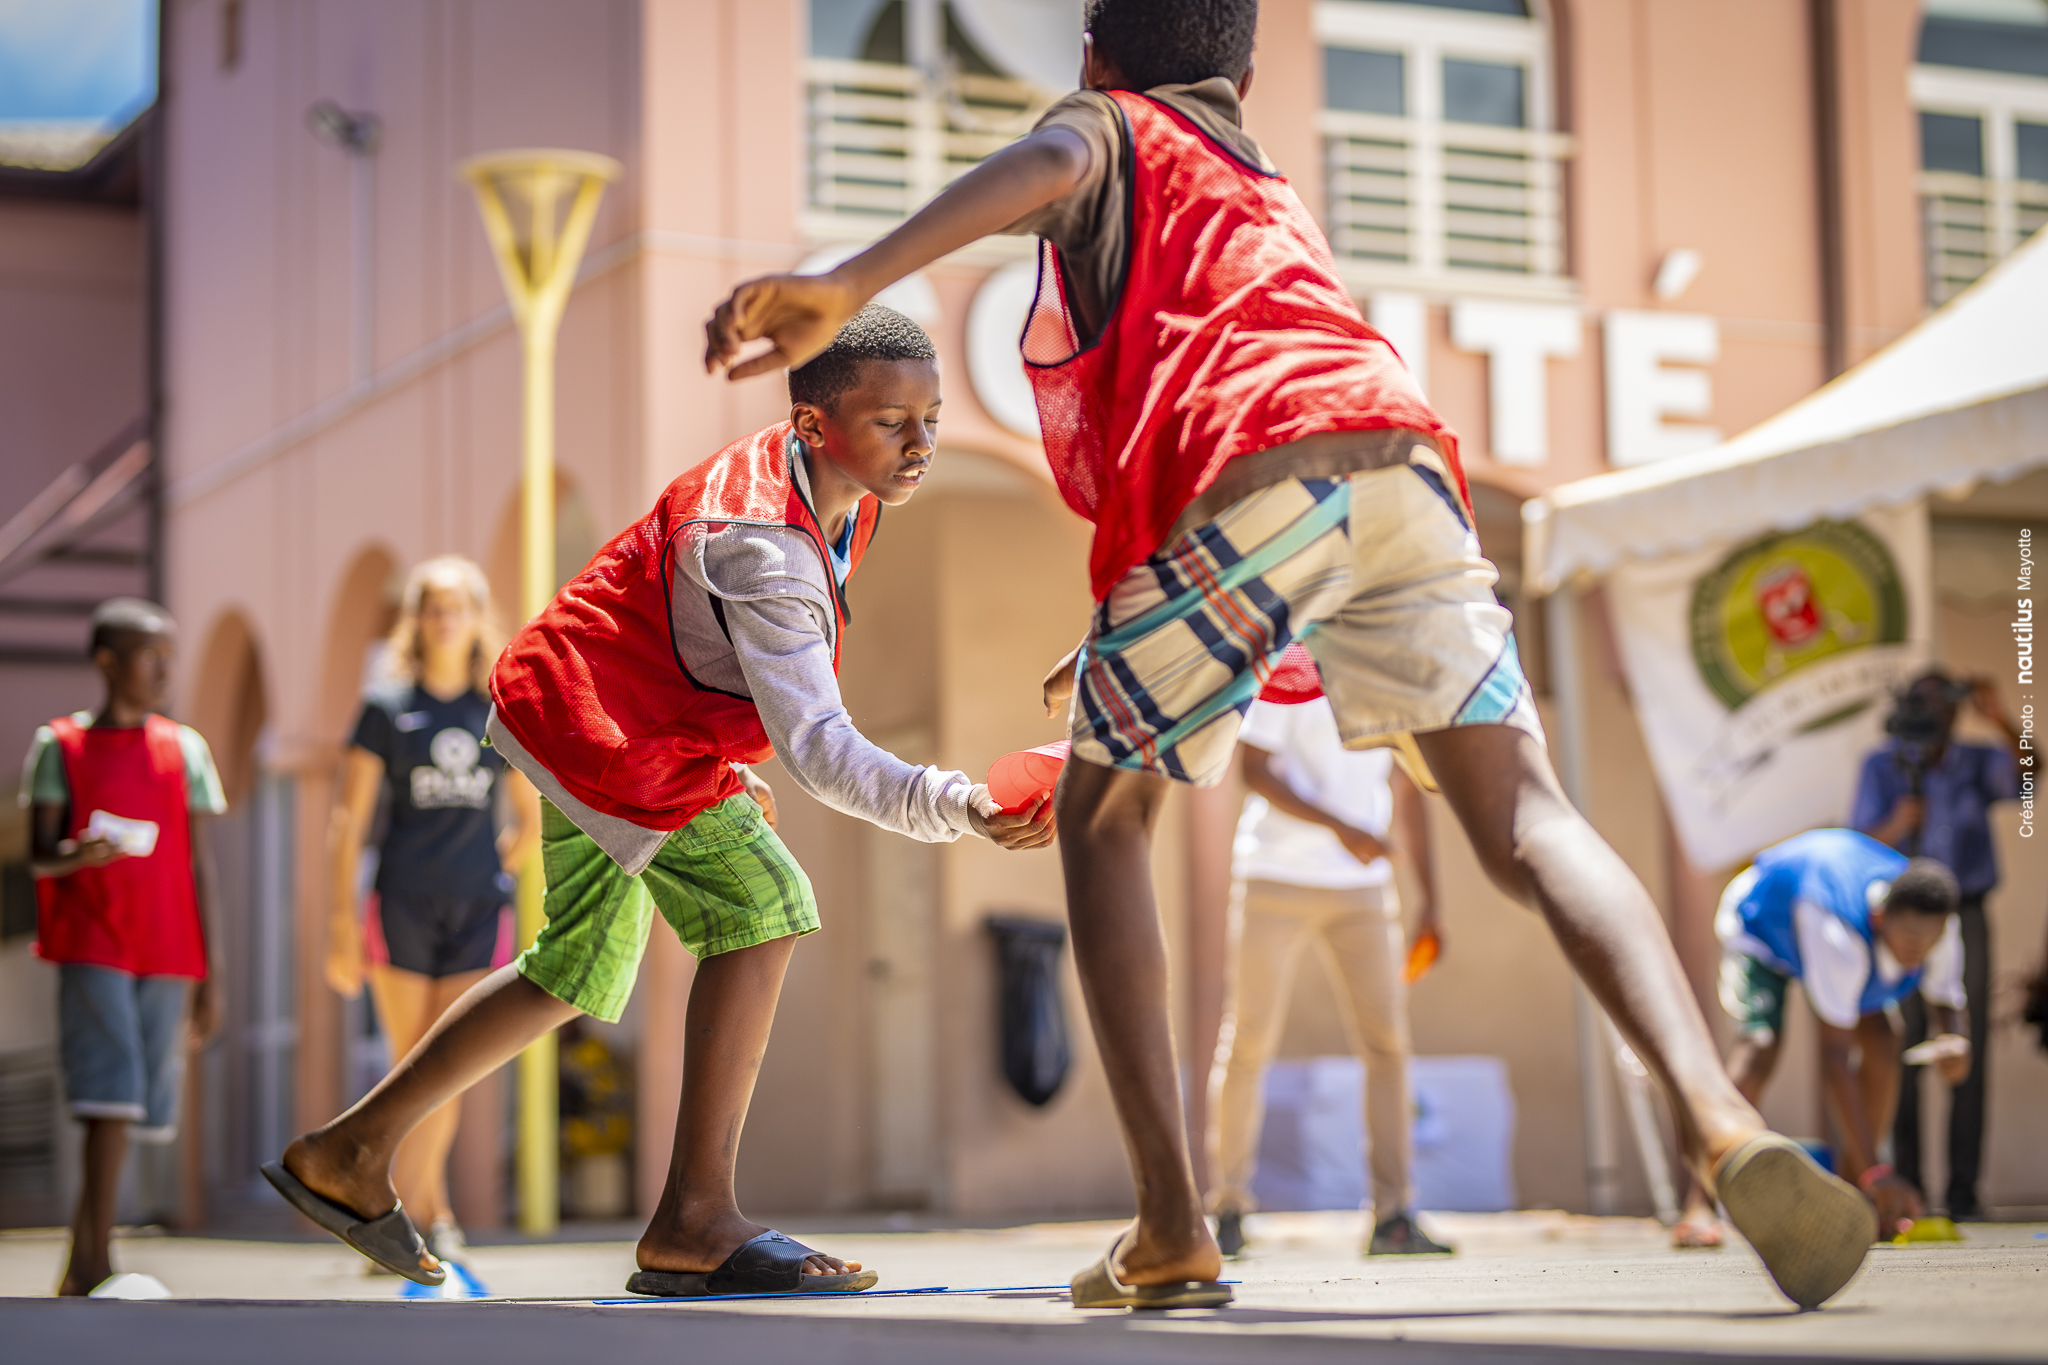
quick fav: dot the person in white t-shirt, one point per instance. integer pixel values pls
(1312, 866)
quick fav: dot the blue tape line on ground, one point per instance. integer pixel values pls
(849, 1294)
(727, 1298)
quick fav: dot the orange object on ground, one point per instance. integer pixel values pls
(1420, 958)
(1016, 780)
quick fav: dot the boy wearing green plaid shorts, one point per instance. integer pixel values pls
(701, 640)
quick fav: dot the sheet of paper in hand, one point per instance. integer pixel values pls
(136, 838)
(1937, 1050)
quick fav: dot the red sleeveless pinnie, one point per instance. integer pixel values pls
(138, 915)
(1232, 334)
(595, 687)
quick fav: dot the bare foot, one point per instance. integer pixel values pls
(346, 1173)
(699, 1243)
(1697, 1234)
(1148, 1257)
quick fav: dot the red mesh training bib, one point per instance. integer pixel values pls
(136, 915)
(594, 687)
(1231, 334)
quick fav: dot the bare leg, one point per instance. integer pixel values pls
(1878, 1076)
(732, 1007)
(1878, 1071)
(1750, 1064)
(1105, 819)
(349, 1160)
(409, 1003)
(1541, 851)
(92, 1227)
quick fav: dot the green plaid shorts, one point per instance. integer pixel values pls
(723, 882)
(1753, 993)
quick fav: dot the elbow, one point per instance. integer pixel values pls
(1057, 160)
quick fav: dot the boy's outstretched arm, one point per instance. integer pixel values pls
(801, 314)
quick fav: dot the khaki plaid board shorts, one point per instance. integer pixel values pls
(723, 882)
(1379, 573)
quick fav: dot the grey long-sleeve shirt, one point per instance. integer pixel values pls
(770, 638)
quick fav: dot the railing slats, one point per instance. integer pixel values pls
(1970, 223)
(1495, 200)
(881, 143)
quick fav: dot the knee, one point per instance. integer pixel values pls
(1386, 1046)
(1093, 802)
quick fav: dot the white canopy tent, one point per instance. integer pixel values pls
(1960, 399)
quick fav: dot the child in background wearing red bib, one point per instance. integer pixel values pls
(1260, 469)
(115, 798)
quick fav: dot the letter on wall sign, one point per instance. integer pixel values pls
(994, 322)
(1518, 340)
(1642, 390)
(1403, 319)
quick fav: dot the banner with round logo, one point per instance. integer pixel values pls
(1762, 671)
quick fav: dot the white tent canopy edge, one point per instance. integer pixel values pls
(1960, 399)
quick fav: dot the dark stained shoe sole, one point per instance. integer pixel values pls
(1811, 1229)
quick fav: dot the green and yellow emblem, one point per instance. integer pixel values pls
(1783, 602)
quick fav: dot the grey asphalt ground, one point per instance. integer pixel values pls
(1537, 1287)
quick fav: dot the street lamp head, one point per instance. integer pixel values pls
(337, 127)
(538, 205)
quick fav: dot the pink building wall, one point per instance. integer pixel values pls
(72, 375)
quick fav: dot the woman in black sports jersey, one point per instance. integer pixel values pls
(439, 917)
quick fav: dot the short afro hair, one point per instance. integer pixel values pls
(874, 333)
(1175, 42)
(118, 620)
(1926, 887)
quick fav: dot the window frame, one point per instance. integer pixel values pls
(1999, 99)
(882, 139)
(1425, 36)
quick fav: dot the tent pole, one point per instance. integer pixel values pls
(1568, 745)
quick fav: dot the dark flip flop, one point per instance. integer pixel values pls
(768, 1264)
(391, 1241)
(1098, 1287)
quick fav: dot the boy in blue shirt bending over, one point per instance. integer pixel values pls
(1859, 926)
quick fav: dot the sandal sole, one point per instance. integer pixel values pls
(342, 1224)
(682, 1284)
(1811, 1230)
(1098, 1287)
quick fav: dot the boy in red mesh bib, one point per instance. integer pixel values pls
(1261, 471)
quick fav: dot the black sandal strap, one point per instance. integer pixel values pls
(768, 1264)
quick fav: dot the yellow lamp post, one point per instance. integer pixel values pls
(538, 207)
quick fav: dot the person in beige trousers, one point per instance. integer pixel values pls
(1312, 866)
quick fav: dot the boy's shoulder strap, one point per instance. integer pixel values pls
(749, 482)
(1147, 114)
(867, 520)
